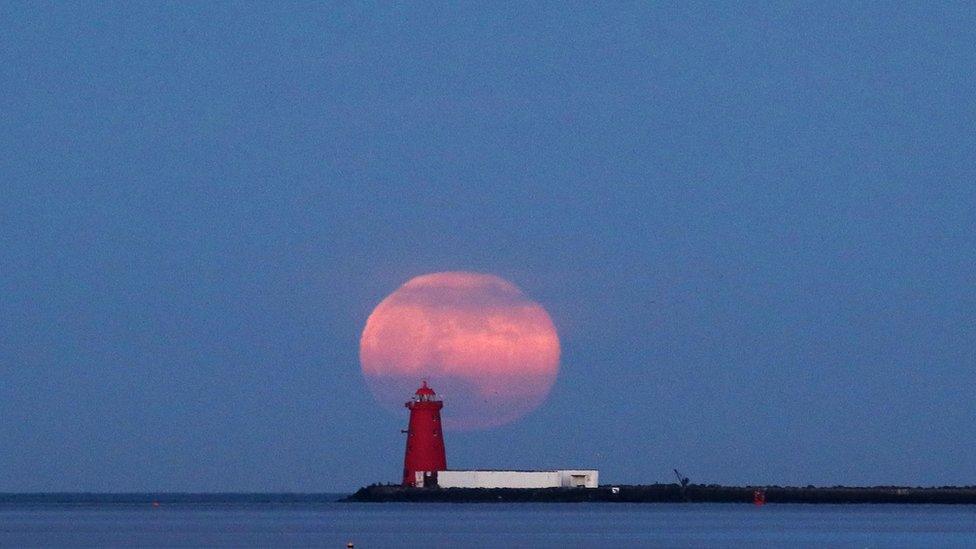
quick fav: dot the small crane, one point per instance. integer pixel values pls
(682, 480)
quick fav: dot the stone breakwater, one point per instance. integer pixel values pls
(671, 493)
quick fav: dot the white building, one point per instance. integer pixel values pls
(570, 478)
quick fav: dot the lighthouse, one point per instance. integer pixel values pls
(425, 441)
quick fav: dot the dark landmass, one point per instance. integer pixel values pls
(671, 493)
(169, 498)
(651, 493)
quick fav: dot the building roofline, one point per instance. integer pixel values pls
(515, 470)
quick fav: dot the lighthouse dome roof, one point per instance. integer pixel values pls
(424, 389)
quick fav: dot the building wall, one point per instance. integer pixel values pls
(498, 479)
(517, 479)
(579, 478)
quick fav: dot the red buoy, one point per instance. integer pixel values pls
(759, 497)
(425, 441)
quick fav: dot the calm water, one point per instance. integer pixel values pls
(488, 525)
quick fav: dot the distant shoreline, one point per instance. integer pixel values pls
(163, 498)
(652, 493)
(674, 493)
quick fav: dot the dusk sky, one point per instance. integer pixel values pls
(753, 226)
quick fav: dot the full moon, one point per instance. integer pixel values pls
(488, 350)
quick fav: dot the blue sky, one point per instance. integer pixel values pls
(753, 225)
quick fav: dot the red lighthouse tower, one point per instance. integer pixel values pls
(425, 442)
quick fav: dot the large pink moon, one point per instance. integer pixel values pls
(488, 350)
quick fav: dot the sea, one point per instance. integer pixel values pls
(369, 525)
